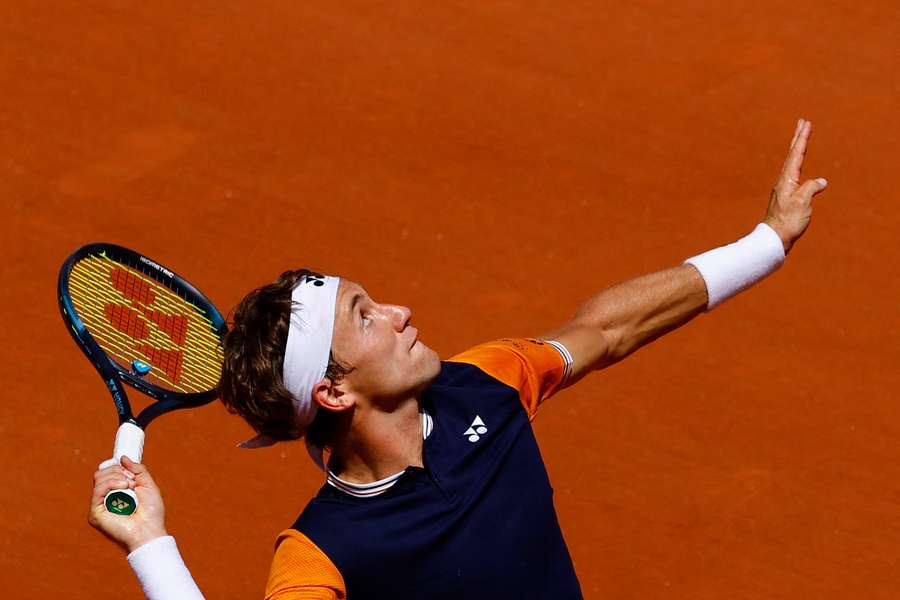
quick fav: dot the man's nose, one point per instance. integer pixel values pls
(400, 316)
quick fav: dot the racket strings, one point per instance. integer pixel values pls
(164, 298)
(138, 291)
(205, 342)
(150, 292)
(168, 362)
(133, 317)
(91, 290)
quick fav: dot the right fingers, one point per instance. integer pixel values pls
(114, 473)
(141, 473)
(113, 470)
(107, 484)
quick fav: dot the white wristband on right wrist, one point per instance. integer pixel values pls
(162, 573)
(731, 269)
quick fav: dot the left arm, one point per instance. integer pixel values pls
(622, 318)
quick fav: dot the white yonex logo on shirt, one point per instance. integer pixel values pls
(476, 430)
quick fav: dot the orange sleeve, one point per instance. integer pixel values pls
(536, 368)
(301, 571)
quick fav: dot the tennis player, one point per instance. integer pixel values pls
(434, 485)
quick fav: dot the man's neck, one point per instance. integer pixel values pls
(380, 444)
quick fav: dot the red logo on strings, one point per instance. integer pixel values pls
(128, 320)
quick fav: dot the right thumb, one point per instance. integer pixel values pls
(136, 468)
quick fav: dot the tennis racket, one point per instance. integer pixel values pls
(139, 323)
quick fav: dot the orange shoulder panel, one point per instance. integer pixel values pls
(533, 367)
(301, 571)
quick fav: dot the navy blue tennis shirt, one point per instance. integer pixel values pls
(476, 522)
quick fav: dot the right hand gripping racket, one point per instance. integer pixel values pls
(141, 324)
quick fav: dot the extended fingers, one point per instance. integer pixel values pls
(797, 130)
(790, 172)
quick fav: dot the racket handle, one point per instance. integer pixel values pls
(130, 443)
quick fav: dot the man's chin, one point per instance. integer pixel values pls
(431, 366)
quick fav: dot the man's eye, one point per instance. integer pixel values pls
(365, 320)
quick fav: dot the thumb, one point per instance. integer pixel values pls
(141, 473)
(811, 187)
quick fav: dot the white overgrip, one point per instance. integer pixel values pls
(129, 442)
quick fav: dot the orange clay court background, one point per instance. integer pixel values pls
(491, 165)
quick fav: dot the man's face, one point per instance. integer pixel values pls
(378, 342)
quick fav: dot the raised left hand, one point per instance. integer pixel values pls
(790, 205)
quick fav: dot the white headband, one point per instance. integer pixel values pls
(307, 351)
(309, 341)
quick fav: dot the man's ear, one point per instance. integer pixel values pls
(328, 396)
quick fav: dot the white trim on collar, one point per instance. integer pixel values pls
(374, 488)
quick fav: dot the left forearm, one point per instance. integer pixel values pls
(622, 318)
(633, 313)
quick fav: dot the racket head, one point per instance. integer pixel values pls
(127, 312)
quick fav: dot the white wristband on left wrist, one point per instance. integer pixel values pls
(731, 269)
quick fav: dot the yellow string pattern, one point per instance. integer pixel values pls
(135, 331)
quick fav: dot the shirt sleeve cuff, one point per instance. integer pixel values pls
(567, 358)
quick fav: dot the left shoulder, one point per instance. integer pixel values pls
(537, 368)
(507, 352)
